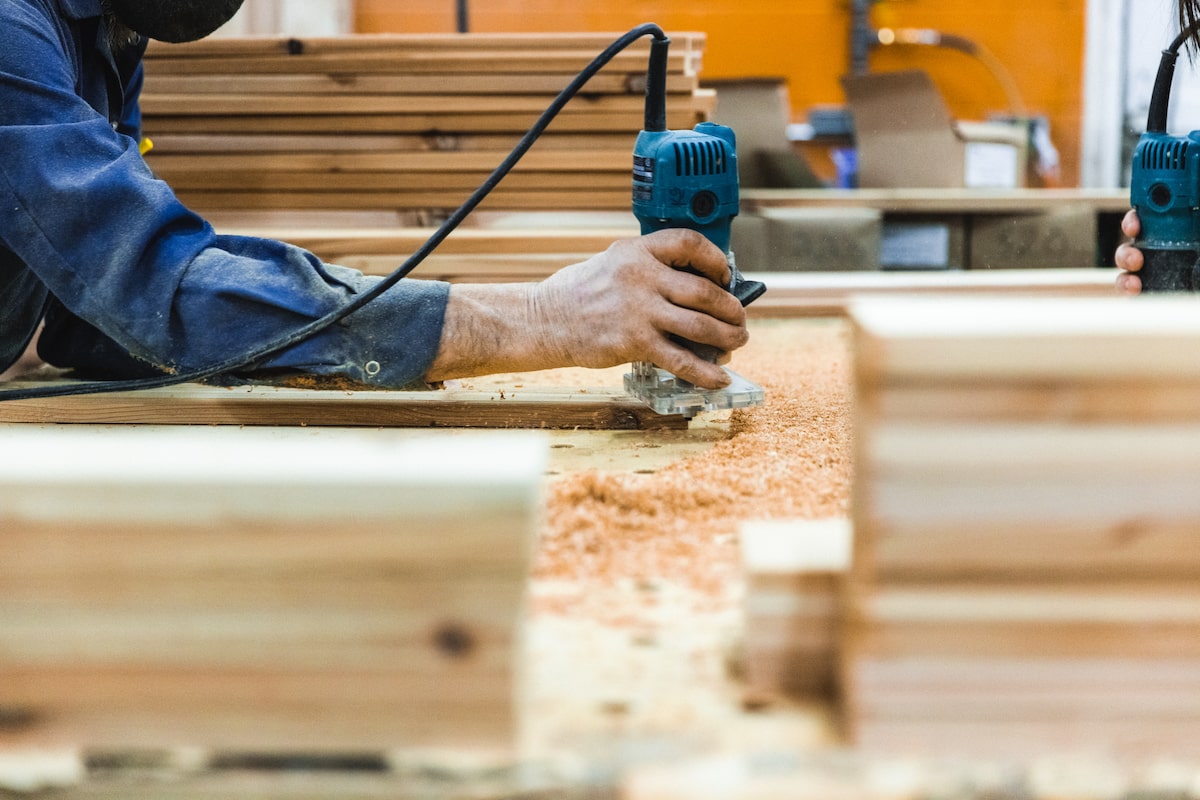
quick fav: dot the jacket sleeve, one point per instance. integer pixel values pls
(117, 249)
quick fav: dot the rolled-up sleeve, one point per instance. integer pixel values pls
(115, 246)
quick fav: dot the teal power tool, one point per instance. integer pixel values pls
(687, 179)
(1165, 190)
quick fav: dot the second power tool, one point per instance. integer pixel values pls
(1165, 190)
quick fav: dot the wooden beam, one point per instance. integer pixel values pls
(938, 201)
(833, 294)
(794, 572)
(235, 589)
(1023, 576)
(268, 405)
(297, 47)
(573, 120)
(615, 83)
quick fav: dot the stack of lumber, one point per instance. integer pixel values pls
(263, 592)
(794, 572)
(470, 254)
(531, 251)
(1026, 522)
(402, 121)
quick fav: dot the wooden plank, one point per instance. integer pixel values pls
(437, 62)
(471, 269)
(332, 243)
(572, 120)
(616, 83)
(501, 199)
(162, 104)
(224, 47)
(367, 143)
(793, 572)
(232, 588)
(938, 201)
(479, 163)
(267, 405)
(832, 294)
(1083, 339)
(418, 181)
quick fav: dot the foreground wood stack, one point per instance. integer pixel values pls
(1026, 521)
(262, 591)
(386, 122)
(795, 572)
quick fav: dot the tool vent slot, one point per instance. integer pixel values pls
(1165, 155)
(700, 158)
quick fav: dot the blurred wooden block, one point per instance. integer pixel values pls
(794, 572)
(237, 589)
(1026, 527)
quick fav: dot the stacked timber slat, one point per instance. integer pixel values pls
(470, 254)
(261, 592)
(794, 574)
(402, 121)
(1027, 527)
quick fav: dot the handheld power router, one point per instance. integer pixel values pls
(1165, 190)
(687, 179)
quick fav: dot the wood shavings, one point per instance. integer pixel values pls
(788, 458)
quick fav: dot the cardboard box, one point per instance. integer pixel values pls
(1060, 238)
(906, 138)
(924, 242)
(808, 239)
(759, 111)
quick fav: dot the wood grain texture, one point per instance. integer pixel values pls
(939, 201)
(1023, 578)
(229, 588)
(794, 573)
(272, 406)
(429, 91)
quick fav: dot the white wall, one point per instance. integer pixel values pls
(1124, 41)
(292, 18)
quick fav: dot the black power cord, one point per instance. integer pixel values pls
(654, 84)
(1160, 97)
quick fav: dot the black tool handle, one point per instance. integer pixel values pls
(1169, 270)
(745, 291)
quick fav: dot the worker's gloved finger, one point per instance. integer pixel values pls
(1128, 283)
(1129, 258)
(1131, 226)
(687, 249)
(701, 294)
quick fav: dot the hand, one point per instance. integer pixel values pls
(619, 306)
(623, 304)
(1128, 257)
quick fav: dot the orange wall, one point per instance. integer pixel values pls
(806, 43)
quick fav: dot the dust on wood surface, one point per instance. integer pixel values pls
(788, 458)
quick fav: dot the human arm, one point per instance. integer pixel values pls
(115, 247)
(619, 306)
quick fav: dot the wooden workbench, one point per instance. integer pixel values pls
(632, 627)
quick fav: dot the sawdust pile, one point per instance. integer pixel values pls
(787, 459)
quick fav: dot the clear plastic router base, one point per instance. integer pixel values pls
(667, 394)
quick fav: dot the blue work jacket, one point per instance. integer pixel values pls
(127, 279)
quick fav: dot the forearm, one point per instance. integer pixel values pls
(491, 328)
